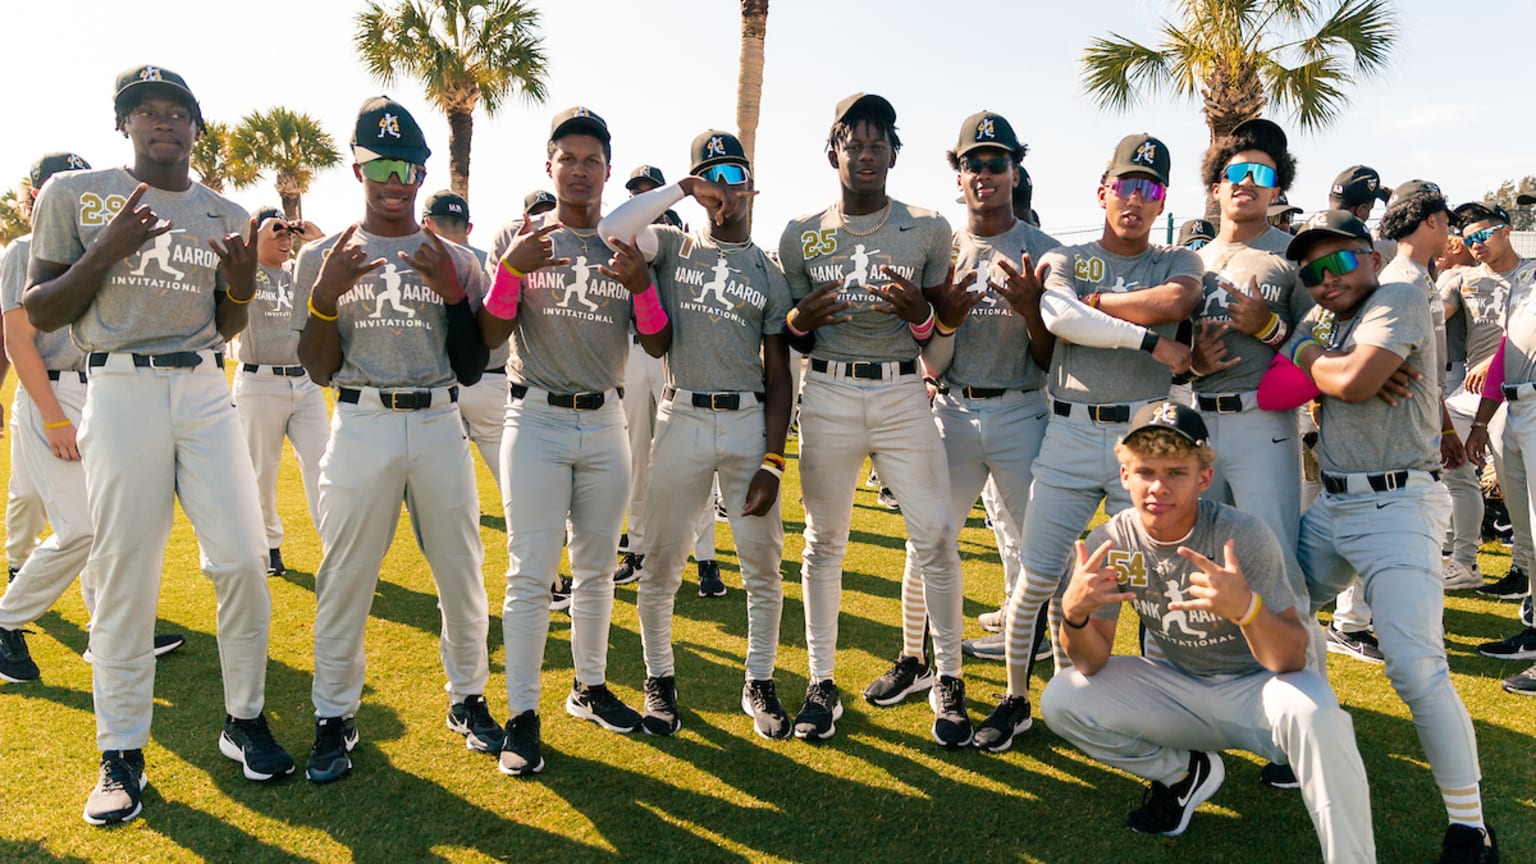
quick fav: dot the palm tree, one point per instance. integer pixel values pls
(749, 77)
(290, 146)
(1237, 56)
(465, 52)
(14, 221)
(210, 156)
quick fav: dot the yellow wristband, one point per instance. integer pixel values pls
(1446, 433)
(321, 315)
(1254, 606)
(60, 424)
(237, 301)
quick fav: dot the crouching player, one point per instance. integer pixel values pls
(1232, 674)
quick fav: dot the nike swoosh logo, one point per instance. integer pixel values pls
(906, 228)
(1379, 506)
(1184, 799)
(1278, 440)
(213, 215)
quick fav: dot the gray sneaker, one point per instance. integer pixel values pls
(988, 647)
(119, 786)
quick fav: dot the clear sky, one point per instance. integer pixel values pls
(661, 71)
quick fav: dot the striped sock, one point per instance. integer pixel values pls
(1464, 806)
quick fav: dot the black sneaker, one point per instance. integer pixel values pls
(165, 643)
(818, 716)
(275, 563)
(624, 542)
(11, 577)
(1521, 683)
(472, 719)
(1527, 612)
(660, 706)
(760, 701)
(1009, 718)
(1464, 844)
(1359, 644)
(887, 499)
(560, 594)
(250, 743)
(1513, 586)
(722, 514)
(119, 786)
(629, 570)
(907, 676)
(598, 704)
(1166, 809)
(520, 751)
(334, 739)
(1278, 776)
(16, 665)
(710, 583)
(1521, 646)
(951, 723)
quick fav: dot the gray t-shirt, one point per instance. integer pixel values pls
(498, 359)
(271, 334)
(1194, 640)
(393, 328)
(1100, 375)
(1481, 296)
(1405, 269)
(1373, 436)
(722, 299)
(571, 334)
(58, 350)
(822, 247)
(1235, 264)
(992, 344)
(1520, 326)
(159, 299)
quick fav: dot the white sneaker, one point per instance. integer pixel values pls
(1459, 577)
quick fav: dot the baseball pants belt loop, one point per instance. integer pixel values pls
(395, 400)
(168, 360)
(983, 392)
(1096, 413)
(866, 371)
(57, 374)
(284, 371)
(574, 401)
(1384, 481)
(1516, 392)
(1220, 403)
(724, 401)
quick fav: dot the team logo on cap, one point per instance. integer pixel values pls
(389, 124)
(1146, 154)
(150, 73)
(1430, 187)
(75, 163)
(581, 112)
(1166, 415)
(987, 128)
(453, 207)
(715, 147)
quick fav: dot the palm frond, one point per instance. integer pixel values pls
(1114, 69)
(1313, 92)
(1366, 29)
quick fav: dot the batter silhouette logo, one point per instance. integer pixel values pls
(160, 255)
(150, 73)
(389, 125)
(715, 147)
(1146, 154)
(722, 274)
(391, 277)
(986, 129)
(578, 287)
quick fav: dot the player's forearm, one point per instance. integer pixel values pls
(1344, 376)
(30, 369)
(320, 350)
(1069, 318)
(778, 392)
(1041, 341)
(493, 330)
(228, 316)
(57, 295)
(1088, 646)
(1278, 642)
(656, 344)
(1167, 303)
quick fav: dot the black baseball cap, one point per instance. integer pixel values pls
(1281, 207)
(447, 203)
(53, 163)
(986, 129)
(268, 212)
(1325, 225)
(1404, 191)
(1265, 132)
(1181, 419)
(1139, 154)
(1196, 229)
(1356, 185)
(537, 197)
(1478, 211)
(644, 173)
(140, 79)
(385, 130)
(1525, 200)
(716, 147)
(1023, 193)
(579, 121)
(878, 104)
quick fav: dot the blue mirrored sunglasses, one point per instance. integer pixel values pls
(1481, 235)
(726, 172)
(1263, 175)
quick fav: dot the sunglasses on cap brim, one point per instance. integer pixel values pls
(379, 171)
(728, 173)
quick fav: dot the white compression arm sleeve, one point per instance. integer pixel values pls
(1077, 322)
(634, 217)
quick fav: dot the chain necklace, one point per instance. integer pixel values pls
(843, 220)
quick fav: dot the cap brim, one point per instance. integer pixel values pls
(973, 146)
(1305, 239)
(582, 126)
(1282, 209)
(719, 160)
(413, 155)
(169, 86)
(1525, 200)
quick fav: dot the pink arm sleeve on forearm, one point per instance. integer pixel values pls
(1285, 386)
(1493, 383)
(506, 288)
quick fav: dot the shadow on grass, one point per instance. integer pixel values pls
(33, 851)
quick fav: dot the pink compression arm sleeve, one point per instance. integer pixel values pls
(1285, 386)
(1493, 384)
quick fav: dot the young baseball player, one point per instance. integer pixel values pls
(568, 314)
(1356, 190)
(1211, 587)
(863, 272)
(154, 272)
(274, 395)
(389, 322)
(1383, 511)
(990, 349)
(1114, 306)
(725, 408)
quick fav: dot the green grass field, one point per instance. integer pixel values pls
(880, 791)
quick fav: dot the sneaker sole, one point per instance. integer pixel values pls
(1502, 595)
(1002, 747)
(1296, 785)
(837, 714)
(471, 740)
(1517, 691)
(1346, 651)
(229, 748)
(12, 679)
(560, 605)
(582, 712)
(525, 771)
(1465, 584)
(1523, 654)
(118, 820)
(330, 776)
(720, 593)
(918, 685)
(162, 650)
(659, 731)
(746, 708)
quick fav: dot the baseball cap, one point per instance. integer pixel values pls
(53, 163)
(447, 203)
(385, 130)
(1023, 193)
(1357, 184)
(878, 104)
(1181, 419)
(986, 129)
(579, 121)
(1407, 190)
(1525, 200)
(1139, 154)
(645, 172)
(1266, 132)
(267, 212)
(1324, 225)
(1282, 207)
(537, 197)
(132, 82)
(715, 147)
(1196, 229)
(1477, 211)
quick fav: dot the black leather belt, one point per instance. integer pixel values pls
(55, 374)
(396, 400)
(285, 371)
(1096, 413)
(712, 401)
(576, 401)
(168, 360)
(1385, 481)
(1230, 403)
(867, 371)
(1512, 392)
(983, 392)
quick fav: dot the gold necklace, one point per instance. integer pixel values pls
(843, 220)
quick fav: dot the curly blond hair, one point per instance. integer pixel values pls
(1164, 444)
